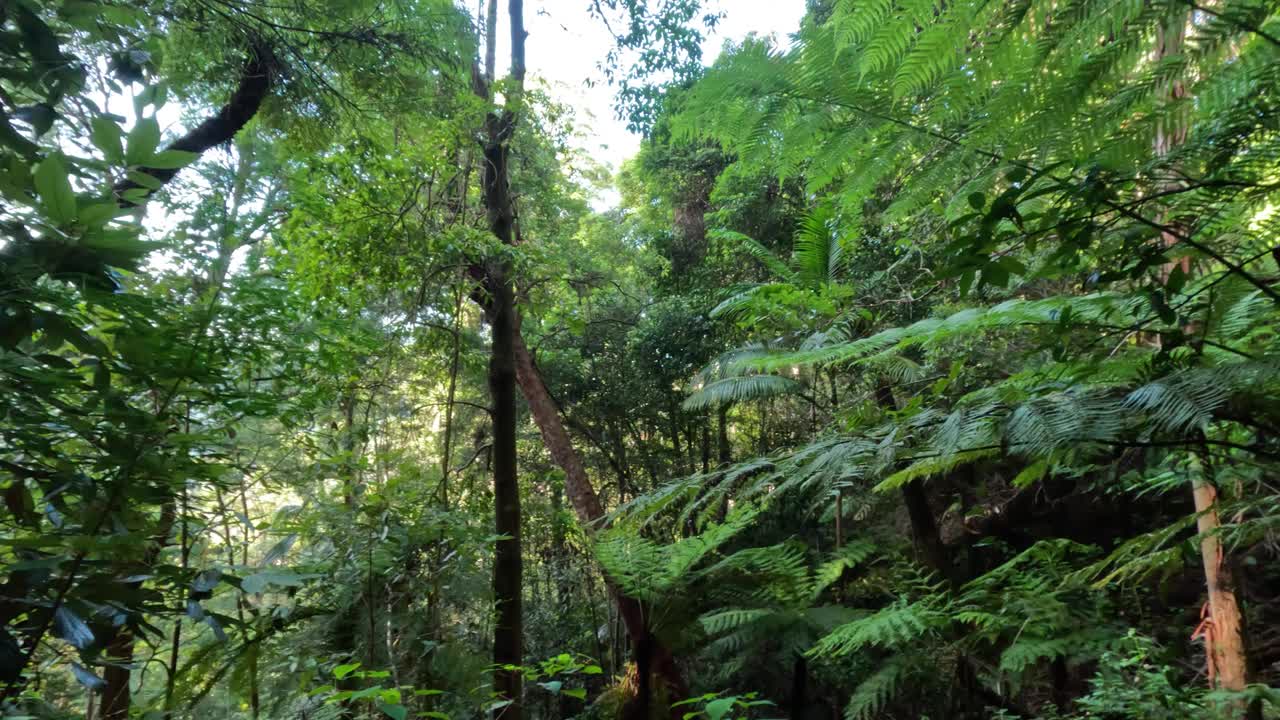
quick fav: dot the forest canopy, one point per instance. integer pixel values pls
(922, 362)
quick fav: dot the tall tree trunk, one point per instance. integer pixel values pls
(799, 687)
(499, 302)
(508, 567)
(491, 44)
(451, 397)
(1223, 627)
(706, 444)
(586, 504)
(116, 695)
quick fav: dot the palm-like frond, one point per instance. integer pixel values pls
(738, 389)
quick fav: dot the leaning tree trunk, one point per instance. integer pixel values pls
(586, 504)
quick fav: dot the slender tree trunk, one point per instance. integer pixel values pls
(499, 303)
(674, 414)
(452, 395)
(799, 687)
(508, 567)
(586, 503)
(1222, 630)
(1223, 627)
(706, 445)
(491, 44)
(117, 695)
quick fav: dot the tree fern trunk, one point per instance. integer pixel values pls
(799, 687)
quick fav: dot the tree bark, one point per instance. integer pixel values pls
(585, 502)
(117, 695)
(255, 83)
(508, 567)
(499, 303)
(1222, 628)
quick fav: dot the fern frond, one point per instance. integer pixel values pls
(893, 626)
(740, 389)
(753, 248)
(875, 692)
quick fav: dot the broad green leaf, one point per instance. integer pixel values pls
(144, 138)
(87, 677)
(398, 712)
(99, 213)
(717, 709)
(344, 670)
(107, 136)
(258, 582)
(579, 693)
(172, 159)
(53, 185)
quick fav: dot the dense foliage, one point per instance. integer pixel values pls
(927, 365)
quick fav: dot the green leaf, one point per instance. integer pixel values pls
(144, 138)
(145, 180)
(579, 693)
(592, 670)
(99, 213)
(258, 582)
(399, 712)
(717, 709)
(344, 670)
(53, 185)
(434, 714)
(172, 159)
(107, 137)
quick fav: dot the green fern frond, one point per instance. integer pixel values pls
(740, 389)
(875, 692)
(894, 626)
(753, 248)
(930, 467)
(818, 256)
(726, 621)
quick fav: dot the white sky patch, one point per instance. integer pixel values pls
(566, 45)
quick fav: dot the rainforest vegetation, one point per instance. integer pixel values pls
(924, 362)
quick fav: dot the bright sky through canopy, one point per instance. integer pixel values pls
(566, 44)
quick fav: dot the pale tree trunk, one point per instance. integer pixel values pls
(1222, 629)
